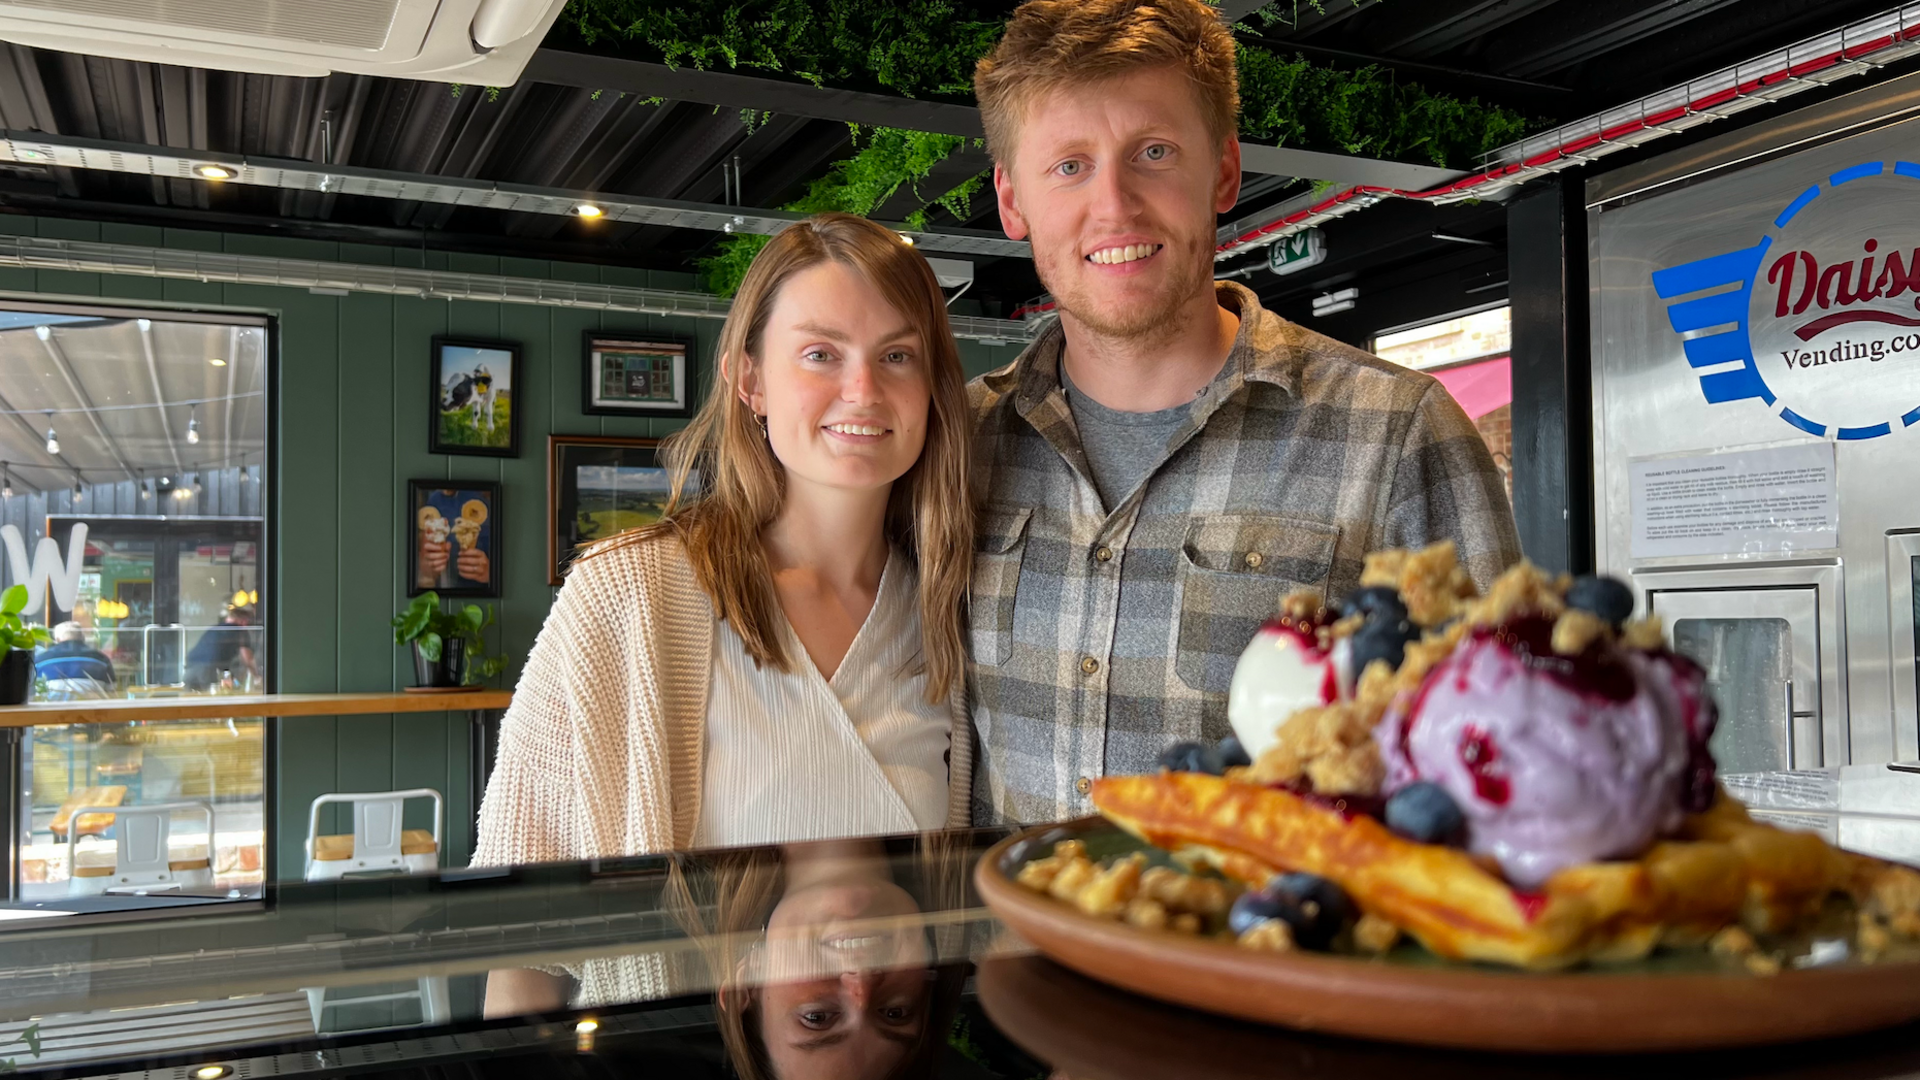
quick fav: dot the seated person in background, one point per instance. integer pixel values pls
(224, 651)
(780, 657)
(71, 666)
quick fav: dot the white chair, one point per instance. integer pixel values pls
(143, 857)
(378, 843)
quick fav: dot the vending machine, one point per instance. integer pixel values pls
(1755, 320)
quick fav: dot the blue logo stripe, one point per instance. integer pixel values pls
(1801, 422)
(1795, 207)
(1715, 349)
(1906, 168)
(1911, 418)
(1732, 268)
(1873, 432)
(1735, 385)
(1870, 168)
(1717, 310)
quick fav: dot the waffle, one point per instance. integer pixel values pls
(1723, 870)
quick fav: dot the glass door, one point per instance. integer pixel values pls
(1761, 652)
(1903, 571)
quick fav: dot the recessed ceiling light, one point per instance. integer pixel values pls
(33, 155)
(907, 240)
(217, 362)
(212, 1072)
(587, 210)
(216, 172)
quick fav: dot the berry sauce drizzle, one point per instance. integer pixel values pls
(1594, 671)
(1481, 756)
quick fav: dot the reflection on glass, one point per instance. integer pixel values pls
(1748, 663)
(140, 543)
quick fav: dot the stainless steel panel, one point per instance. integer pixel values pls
(1903, 621)
(1648, 400)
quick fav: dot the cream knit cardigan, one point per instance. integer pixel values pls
(600, 753)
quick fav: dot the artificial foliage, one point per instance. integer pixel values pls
(929, 48)
(884, 161)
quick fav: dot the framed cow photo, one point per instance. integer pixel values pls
(474, 403)
(638, 375)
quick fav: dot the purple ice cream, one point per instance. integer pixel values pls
(1555, 760)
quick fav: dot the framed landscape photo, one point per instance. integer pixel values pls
(597, 486)
(474, 404)
(453, 537)
(638, 375)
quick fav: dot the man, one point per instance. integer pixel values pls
(72, 667)
(225, 650)
(1166, 462)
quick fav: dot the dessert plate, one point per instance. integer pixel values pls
(1678, 1000)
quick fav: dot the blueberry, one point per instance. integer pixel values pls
(1424, 813)
(1381, 638)
(1251, 908)
(1608, 598)
(1316, 909)
(1232, 753)
(1381, 599)
(1192, 757)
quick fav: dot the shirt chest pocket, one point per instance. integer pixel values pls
(1233, 569)
(999, 547)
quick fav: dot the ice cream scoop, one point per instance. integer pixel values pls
(1283, 669)
(1555, 760)
(467, 532)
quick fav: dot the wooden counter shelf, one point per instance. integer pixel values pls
(120, 711)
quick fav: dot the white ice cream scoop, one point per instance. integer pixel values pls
(1283, 669)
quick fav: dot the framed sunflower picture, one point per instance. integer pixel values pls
(474, 402)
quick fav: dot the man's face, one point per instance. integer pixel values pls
(1117, 185)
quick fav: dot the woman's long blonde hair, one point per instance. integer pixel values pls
(728, 485)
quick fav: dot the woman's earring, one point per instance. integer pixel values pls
(763, 427)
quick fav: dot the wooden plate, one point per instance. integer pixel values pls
(1672, 1001)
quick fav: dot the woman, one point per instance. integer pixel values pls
(780, 657)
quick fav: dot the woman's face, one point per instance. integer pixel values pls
(842, 997)
(842, 380)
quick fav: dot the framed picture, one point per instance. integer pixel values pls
(598, 486)
(473, 405)
(453, 537)
(638, 375)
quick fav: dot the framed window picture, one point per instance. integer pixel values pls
(473, 407)
(638, 375)
(597, 486)
(453, 537)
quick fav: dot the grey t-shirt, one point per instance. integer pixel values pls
(1120, 446)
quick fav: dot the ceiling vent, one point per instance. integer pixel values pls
(478, 42)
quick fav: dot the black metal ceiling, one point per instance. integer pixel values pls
(1551, 59)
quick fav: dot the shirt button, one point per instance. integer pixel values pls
(1083, 785)
(1254, 559)
(1089, 665)
(1103, 553)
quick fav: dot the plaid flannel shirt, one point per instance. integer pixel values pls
(1099, 637)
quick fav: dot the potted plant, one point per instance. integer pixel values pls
(448, 646)
(16, 671)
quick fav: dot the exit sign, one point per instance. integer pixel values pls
(1297, 252)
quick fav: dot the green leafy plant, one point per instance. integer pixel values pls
(17, 634)
(929, 47)
(891, 158)
(28, 1037)
(425, 624)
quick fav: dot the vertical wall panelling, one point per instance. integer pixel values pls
(351, 429)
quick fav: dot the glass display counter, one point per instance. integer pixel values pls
(847, 959)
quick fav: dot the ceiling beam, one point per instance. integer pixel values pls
(588, 71)
(638, 77)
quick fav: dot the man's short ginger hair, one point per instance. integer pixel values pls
(1055, 44)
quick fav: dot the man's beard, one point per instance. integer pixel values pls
(1158, 316)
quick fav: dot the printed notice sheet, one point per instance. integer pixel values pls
(1742, 502)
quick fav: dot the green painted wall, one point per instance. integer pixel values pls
(352, 430)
